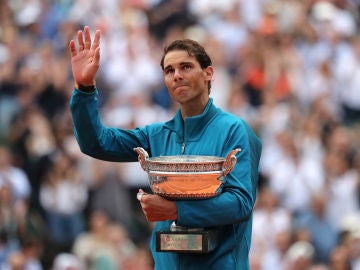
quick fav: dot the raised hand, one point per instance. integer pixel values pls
(85, 60)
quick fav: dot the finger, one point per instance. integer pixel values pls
(87, 38)
(72, 48)
(97, 56)
(96, 41)
(139, 196)
(80, 40)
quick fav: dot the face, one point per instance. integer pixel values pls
(186, 81)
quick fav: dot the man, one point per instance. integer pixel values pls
(198, 128)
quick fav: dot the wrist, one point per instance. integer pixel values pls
(89, 88)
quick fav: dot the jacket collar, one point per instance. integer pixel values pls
(192, 127)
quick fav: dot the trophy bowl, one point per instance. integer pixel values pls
(186, 176)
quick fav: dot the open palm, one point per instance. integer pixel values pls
(85, 60)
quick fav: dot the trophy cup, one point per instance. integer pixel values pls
(186, 177)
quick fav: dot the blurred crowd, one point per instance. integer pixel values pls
(290, 68)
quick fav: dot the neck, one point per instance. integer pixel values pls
(193, 108)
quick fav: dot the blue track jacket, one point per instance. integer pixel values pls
(212, 133)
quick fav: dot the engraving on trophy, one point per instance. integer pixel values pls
(178, 242)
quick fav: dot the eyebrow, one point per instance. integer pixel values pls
(181, 64)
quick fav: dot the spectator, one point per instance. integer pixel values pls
(15, 261)
(322, 233)
(65, 261)
(294, 178)
(340, 259)
(105, 246)
(347, 75)
(13, 176)
(300, 255)
(110, 195)
(88, 243)
(63, 196)
(342, 188)
(271, 245)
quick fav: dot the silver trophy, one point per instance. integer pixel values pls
(186, 177)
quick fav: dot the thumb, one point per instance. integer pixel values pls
(141, 191)
(140, 194)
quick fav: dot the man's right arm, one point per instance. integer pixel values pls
(97, 140)
(93, 137)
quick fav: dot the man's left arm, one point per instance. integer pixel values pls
(238, 196)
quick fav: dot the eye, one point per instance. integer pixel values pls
(168, 71)
(187, 67)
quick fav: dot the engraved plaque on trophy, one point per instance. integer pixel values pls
(187, 240)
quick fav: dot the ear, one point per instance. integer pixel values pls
(209, 72)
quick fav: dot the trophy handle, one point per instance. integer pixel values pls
(143, 156)
(230, 161)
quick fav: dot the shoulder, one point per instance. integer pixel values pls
(155, 127)
(237, 126)
(228, 118)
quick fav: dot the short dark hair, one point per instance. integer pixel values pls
(193, 48)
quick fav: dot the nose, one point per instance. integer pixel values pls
(178, 75)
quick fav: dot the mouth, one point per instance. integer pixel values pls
(176, 87)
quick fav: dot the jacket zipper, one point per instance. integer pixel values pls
(183, 148)
(183, 143)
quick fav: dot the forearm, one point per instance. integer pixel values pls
(93, 137)
(226, 208)
(236, 201)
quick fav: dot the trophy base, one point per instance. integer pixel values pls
(186, 240)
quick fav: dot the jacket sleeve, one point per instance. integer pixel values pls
(236, 201)
(97, 140)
